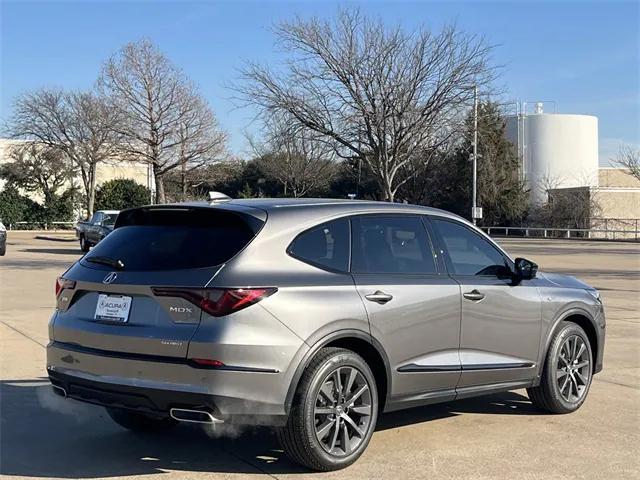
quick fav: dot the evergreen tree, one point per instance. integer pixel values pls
(500, 192)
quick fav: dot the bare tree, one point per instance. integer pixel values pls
(37, 168)
(164, 122)
(629, 159)
(295, 157)
(80, 124)
(200, 140)
(377, 94)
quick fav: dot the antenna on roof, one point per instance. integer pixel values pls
(217, 197)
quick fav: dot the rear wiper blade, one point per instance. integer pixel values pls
(119, 264)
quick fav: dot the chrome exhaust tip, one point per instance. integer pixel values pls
(59, 390)
(193, 416)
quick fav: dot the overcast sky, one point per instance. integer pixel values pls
(584, 56)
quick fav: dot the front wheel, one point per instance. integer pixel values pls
(566, 376)
(334, 411)
(139, 422)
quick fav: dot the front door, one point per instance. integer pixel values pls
(413, 306)
(501, 319)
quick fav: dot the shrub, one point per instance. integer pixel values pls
(18, 208)
(120, 194)
(15, 208)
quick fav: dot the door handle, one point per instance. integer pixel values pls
(379, 297)
(474, 295)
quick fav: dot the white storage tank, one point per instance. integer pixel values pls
(557, 150)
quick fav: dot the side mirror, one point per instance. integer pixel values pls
(525, 269)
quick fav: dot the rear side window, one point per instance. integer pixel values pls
(325, 246)
(391, 244)
(174, 239)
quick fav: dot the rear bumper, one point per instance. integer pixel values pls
(155, 386)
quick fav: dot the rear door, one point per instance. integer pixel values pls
(413, 306)
(501, 319)
(112, 305)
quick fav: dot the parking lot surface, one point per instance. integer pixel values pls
(495, 437)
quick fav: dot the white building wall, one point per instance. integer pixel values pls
(106, 171)
(557, 151)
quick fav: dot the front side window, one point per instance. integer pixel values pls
(391, 244)
(469, 253)
(325, 246)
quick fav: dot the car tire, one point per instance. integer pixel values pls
(567, 373)
(139, 422)
(84, 245)
(328, 441)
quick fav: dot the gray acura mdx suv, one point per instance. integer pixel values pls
(313, 316)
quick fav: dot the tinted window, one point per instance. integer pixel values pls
(391, 245)
(109, 219)
(326, 245)
(469, 253)
(172, 239)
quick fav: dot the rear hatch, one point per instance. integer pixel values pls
(120, 296)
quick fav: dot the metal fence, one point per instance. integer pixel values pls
(41, 226)
(602, 229)
(571, 233)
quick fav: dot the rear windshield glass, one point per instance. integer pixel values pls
(173, 239)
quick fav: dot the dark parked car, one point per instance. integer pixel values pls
(3, 239)
(99, 226)
(313, 316)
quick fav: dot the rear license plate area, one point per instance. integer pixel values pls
(113, 308)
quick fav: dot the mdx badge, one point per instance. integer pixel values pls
(180, 309)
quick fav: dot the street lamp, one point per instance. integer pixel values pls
(476, 212)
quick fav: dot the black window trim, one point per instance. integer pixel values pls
(316, 264)
(439, 269)
(445, 251)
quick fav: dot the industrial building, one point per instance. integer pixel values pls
(559, 155)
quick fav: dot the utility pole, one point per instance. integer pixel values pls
(474, 210)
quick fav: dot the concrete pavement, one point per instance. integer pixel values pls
(496, 437)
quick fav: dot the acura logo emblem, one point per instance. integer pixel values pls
(110, 278)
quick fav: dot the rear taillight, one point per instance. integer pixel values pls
(218, 302)
(62, 283)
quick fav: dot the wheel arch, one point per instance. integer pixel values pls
(584, 320)
(361, 343)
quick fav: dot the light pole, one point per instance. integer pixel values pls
(474, 207)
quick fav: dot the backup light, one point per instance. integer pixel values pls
(62, 283)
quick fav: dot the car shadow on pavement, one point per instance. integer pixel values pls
(504, 403)
(44, 435)
(57, 251)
